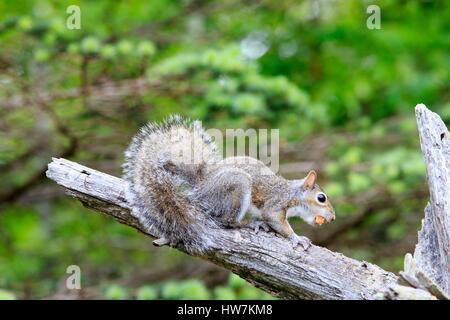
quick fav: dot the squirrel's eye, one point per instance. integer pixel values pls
(321, 197)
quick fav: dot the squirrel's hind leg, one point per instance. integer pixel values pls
(245, 202)
(239, 185)
(228, 194)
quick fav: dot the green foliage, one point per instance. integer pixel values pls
(146, 48)
(124, 47)
(90, 45)
(6, 295)
(194, 289)
(224, 293)
(171, 290)
(242, 290)
(147, 293)
(190, 289)
(235, 86)
(236, 282)
(116, 292)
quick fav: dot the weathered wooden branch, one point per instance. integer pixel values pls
(264, 259)
(435, 143)
(429, 268)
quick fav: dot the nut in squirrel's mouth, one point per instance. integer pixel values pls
(319, 220)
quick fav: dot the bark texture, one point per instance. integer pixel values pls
(432, 254)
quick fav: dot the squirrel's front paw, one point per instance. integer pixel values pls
(256, 225)
(300, 240)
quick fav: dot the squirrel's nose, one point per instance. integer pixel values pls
(333, 218)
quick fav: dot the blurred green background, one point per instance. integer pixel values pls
(342, 96)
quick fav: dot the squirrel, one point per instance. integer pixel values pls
(179, 185)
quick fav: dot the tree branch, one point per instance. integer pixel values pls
(432, 254)
(263, 259)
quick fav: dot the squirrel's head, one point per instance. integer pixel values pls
(309, 202)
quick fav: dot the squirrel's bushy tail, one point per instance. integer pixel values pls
(162, 164)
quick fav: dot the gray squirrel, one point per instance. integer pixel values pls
(179, 185)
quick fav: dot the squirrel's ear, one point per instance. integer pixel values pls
(310, 180)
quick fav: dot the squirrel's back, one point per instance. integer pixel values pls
(162, 165)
